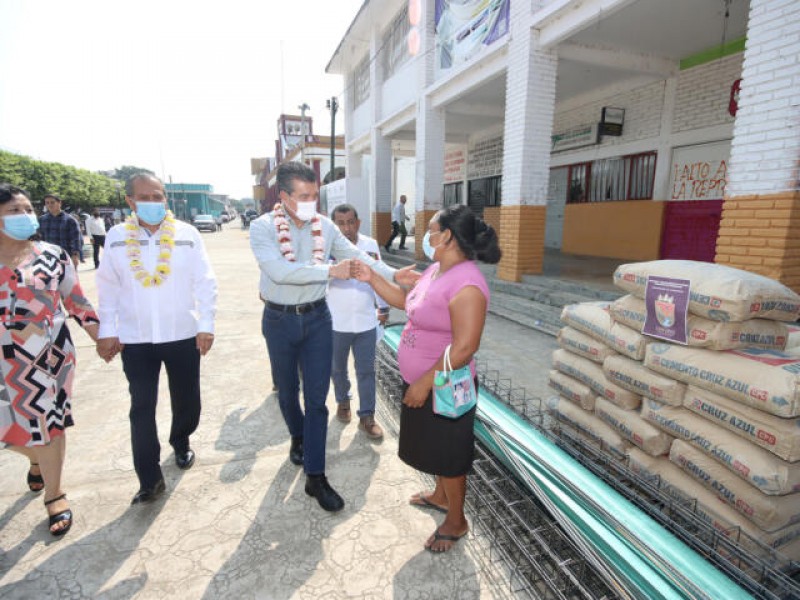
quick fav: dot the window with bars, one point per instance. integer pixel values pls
(618, 178)
(361, 82)
(395, 52)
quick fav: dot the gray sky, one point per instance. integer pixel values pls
(188, 89)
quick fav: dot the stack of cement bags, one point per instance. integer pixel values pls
(729, 397)
(590, 401)
(737, 425)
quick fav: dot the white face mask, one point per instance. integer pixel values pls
(306, 210)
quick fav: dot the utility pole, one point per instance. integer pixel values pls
(333, 106)
(303, 108)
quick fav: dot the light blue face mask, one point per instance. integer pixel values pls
(20, 227)
(151, 213)
(426, 245)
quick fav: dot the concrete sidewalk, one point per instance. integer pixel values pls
(238, 525)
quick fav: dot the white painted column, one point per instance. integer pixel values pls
(766, 137)
(380, 178)
(661, 189)
(530, 104)
(430, 133)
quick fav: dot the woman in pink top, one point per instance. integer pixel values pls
(447, 306)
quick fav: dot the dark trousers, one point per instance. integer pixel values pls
(401, 229)
(98, 241)
(142, 365)
(306, 341)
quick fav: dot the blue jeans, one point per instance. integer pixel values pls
(363, 345)
(305, 340)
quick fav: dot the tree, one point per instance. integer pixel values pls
(78, 188)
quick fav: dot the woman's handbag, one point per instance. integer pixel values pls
(454, 392)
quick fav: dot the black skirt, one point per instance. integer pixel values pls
(434, 444)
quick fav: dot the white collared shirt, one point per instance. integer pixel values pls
(178, 309)
(95, 226)
(353, 303)
(399, 213)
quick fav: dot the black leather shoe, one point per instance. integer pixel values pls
(296, 451)
(148, 495)
(185, 460)
(318, 487)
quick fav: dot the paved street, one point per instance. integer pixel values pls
(237, 525)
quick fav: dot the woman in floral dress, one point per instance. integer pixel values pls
(38, 356)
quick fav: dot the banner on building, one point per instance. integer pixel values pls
(577, 137)
(464, 27)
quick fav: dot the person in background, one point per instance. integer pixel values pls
(399, 219)
(447, 307)
(293, 245)
(97, 229)
(38, 282)
(356, 311)
(59, 228)
(157, 300)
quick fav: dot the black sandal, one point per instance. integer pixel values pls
(64, 515)
(35, 480)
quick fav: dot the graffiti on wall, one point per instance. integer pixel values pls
(464, 27)
(700, 172)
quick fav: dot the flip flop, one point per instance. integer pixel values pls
(422, 501)
(442, 537)
(35, 480)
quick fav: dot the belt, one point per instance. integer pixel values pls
(298, 309)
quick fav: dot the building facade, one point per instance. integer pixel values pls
(632, 129)
(292, 145)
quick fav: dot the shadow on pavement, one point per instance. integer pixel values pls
(93, 559)
(284, 545)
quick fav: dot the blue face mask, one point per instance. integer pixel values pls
(20, 227)
(426, 245)
(151, 213)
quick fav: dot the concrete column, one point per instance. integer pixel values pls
(380, 176)
(760, 228)
(430, 136)
(530, 104)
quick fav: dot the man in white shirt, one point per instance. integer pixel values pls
(356, 311)
(97, 229)
(399, 219)
(157, 301)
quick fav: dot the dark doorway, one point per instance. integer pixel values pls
(690, 229)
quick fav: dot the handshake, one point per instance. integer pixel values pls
(352, 268)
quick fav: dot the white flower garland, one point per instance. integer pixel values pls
(134, 251)
(285, 236)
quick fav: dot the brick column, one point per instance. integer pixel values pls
(530, 103)
(381, 226)
(760, 228)
(421, 220)
(762, 234)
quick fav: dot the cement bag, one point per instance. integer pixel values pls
(717, 292)
(583, 345)
(594, 319)
(770, 513)
(705, 333)
(588, 424)
(633, 428)
(764, 379)
(572, 389)
(764, 471)
(637, 378)
(592, 375)
(706, 505)
(779, 436)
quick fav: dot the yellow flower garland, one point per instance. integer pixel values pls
(134, 251)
